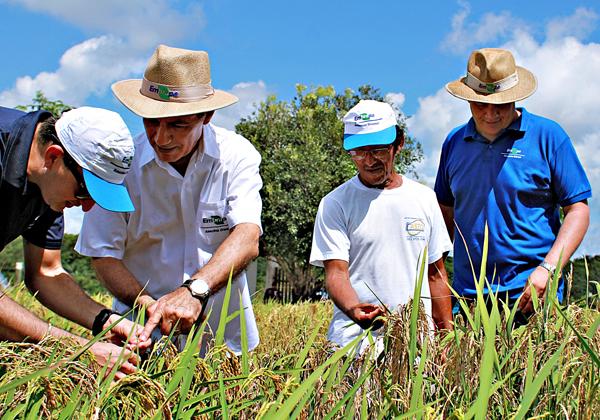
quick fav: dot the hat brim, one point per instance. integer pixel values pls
(386, 136)
(128, 92)
(109, 196)
(525, 88)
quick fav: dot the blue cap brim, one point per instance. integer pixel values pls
(109, 196)
(386, 136)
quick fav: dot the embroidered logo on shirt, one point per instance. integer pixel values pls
(214, 224)
(415, 228)
(513, 153)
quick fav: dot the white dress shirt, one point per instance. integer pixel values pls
(180, 221)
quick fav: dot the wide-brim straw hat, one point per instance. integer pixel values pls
(493, 78)
(176, 82)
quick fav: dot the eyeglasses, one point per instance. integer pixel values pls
(380, 153)
(82, 193)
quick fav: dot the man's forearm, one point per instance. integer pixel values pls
(117, 278)
(62, 295)
(337, 283)
(441, 302)
(571, 233)
(237, 251)
(17, 323)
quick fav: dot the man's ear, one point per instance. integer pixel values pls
(208, 116)
(399, 140)
(51, 154)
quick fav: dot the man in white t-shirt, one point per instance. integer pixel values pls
(372, 231)
(195, 187)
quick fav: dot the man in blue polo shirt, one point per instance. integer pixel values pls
(45, 166)
(513, 171)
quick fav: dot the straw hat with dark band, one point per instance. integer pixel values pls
(493, 78)
(176, 82)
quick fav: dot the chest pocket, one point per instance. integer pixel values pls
(212, 223)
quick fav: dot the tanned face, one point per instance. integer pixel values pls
(174, 139)
(491, 119)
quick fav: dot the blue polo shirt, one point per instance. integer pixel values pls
(23, 211)
(516, 185)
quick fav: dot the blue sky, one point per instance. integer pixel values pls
(73, 50)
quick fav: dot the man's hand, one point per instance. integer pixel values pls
(109, 355)
(178, 307)
(125, 331)
(364, 314)
(538, 280)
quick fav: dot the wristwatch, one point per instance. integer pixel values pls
(198, 288)
(550, 267)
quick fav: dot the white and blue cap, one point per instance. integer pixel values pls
(100, 142)
(369, 123)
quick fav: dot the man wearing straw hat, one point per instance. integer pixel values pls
(195, 187)
(47, 164)
(512, 171)
(372, 231)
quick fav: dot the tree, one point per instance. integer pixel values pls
(41, 102)
(300, 142)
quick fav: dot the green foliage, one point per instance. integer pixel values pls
(584, 283)
(78, 265)
(489, 372)
(41, 102)
(300, 142)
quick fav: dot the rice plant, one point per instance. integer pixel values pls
(485, 368)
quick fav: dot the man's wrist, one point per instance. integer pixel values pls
(198, 288)
(551, 268)
(100, 320)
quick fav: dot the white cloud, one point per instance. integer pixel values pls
(142, 23)
(396, 99)
(127, 32)
(579, 25)
(490, 28)
(250, 95)
(87, 68)
(436, 116)
(568, 90)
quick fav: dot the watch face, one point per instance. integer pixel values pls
(199, 287)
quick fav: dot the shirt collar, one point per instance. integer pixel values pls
(516, 129)
(18, 147)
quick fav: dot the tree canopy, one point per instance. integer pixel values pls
(40, 101)
(300, 142)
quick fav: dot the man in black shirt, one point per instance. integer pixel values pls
(45, 166)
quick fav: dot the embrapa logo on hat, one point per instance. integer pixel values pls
(489, 87)
(364, 119)
(164, 92)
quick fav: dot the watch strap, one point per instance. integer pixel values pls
(203, 297)
(550, 267)
(100, 320)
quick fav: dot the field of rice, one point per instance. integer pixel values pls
(484, 369)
